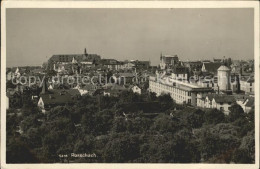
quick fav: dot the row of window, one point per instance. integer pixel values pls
(170, 89)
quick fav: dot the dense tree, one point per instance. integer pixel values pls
(165, 101)
(19, 152)
(102, 125)
(236, 112)
(214, 116)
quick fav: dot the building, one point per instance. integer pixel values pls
(56, 97)
(210, 67)
(180, 72)
(247, 104)
(192, 65)
(136, 89)
(224, 78)
(167, 61)
(219, 101)
(65, 62)
(124, 78)
(113, 90)
(112, 64)
(82, 58)
(182, 92)
(247, 84)
(141, 64)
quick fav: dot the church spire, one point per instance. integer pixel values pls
(85, 51)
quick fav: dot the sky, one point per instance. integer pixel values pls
(34, 35)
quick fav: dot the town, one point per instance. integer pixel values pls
(206, 84)
(113, 96)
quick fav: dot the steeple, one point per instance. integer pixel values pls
(85, 52)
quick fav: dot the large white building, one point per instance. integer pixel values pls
(181, 91)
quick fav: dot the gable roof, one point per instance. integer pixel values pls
(212, 67)
(180, 70)
(224, 99)
(250, 102)
(59, 96)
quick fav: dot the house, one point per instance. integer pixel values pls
(247, 84)
(128, 64)
(112, 64)
(247, 104)
(56, 97)
(167, 61)
(219, 101)
(192, 65)
(136, 89)
(124, 78)
(88, 89)
(113, 90)
(9, 75)
(141, 64)
(210, 67)
(180, 72)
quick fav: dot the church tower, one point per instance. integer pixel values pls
(85, 52)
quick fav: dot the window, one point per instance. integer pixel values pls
(221, 108)
(221, 103)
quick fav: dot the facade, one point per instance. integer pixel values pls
(218, 101)
(112, 64)
(182, 92)
(180, 72)
(167, 61)
(247, 84)
(224, 78)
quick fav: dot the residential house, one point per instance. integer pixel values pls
(136, 89)
(247, 84)
(210, 67)
(247, 104)
(219, 101)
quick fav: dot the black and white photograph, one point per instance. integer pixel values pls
(138, 85)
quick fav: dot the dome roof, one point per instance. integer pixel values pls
(223, 68)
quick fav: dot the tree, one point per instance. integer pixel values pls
(122, 148)
(214, 116)
(9, 84)
(193, 117)
(165, 101)
(17, 151)
(235, 113)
